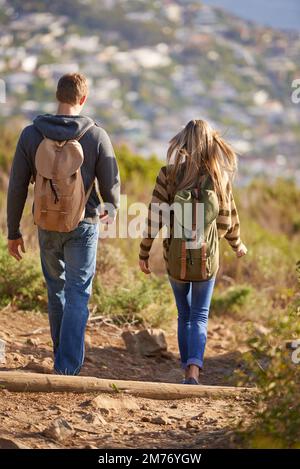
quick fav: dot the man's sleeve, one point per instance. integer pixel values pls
(19, 179)
(107, 173)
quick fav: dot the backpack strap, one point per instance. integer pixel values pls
(87, 195)
(203, 182)
(84, 131)
(183, 260)
(89, 191)
(203, 260)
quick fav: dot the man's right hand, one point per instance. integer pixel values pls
(106, 219)
(13, 248)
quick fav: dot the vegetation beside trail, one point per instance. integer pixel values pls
(273, 364)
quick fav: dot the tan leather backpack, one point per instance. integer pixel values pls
(59, 195)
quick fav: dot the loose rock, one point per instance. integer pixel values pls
(107, 403)
(33, 341)
(159, 420)
(147, 342)
(95, 419)
(59, 430)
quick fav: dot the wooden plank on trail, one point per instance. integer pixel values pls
(35, 382)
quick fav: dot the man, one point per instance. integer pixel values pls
(68, 258)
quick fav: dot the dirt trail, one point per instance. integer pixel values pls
(115, 422)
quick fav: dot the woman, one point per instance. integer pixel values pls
(195, 153)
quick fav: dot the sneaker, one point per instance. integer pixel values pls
(191, 381)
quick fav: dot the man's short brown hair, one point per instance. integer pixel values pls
(71, 88)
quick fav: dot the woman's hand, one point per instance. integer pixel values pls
(144, 266)
(242, 251)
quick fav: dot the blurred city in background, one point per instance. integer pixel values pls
(154, 65)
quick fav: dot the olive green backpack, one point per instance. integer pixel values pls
(193, 247)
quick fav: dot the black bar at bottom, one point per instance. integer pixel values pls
(133, 458)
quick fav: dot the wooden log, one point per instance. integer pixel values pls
(35, 382)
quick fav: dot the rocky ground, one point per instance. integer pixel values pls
(68, 420)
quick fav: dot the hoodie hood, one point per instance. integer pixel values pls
(62, 127)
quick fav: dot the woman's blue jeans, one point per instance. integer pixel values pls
(193, 303)
(69, 264)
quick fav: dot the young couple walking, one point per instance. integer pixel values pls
(65, 155)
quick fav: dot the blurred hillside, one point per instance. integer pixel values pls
(153, 66)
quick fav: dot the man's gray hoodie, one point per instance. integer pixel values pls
(99, 162)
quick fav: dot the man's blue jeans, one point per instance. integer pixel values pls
(193, 303)
(69, 264)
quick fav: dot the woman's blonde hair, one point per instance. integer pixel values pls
(202, 150)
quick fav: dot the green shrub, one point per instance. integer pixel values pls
(8, 142)
(112, 265)
(275, 206)
(272, 368)
(21, 283)
(230, 301)
(137, 173)
(145, 300)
